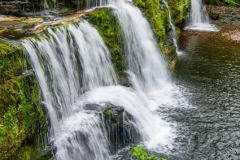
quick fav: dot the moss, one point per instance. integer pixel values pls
(171, 54)
(20, 112)
(110, 30)
(156, 15)
(108, 113)
(158, 18)
(178, 10)
(10, 62)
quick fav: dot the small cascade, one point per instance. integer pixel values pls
(198, 18)
(59, 71)
(46, 7)
(152, 129)
(78, 5)
(143, 56)
(174, 34)
(82, 136)
(95, 3)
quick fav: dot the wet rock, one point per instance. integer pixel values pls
(214, 16)
(118, 123)
(223, 14)
(94, 107)
(120, 127)
(46, 153)
(33, 8)
(124, 81)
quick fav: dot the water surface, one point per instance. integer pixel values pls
(209, 70)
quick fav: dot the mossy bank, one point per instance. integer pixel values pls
(22, 119)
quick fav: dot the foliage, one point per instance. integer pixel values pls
(158, 17)
(21, 115)
(141, 154)
(230, 3)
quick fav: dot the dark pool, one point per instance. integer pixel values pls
(209, 69)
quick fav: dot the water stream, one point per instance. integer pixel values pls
(143, 56)
(95, 3)
(174, 33)
(198, 18)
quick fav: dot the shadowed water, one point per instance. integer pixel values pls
(209, 69)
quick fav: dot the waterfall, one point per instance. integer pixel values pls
(66, 68)
(198, 18)
(174, 34)
(73, 67)
(95, 3)
(46, 7)
(146, 66)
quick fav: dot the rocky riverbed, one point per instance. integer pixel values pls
(224, 14)
(228, 19)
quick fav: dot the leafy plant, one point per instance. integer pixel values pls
(141, 154)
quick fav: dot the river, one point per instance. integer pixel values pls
(209, 71)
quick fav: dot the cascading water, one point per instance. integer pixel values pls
(198, 18)
(73, 67)
(95, 3)
(174, 34)
(143, 56)
(67, 62)
(45, 7)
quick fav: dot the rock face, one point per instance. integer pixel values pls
(11, 7)
(41, 7)
(120, 127)
(224, 14)
(118, 124)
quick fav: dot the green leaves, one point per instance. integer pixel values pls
(141, 154)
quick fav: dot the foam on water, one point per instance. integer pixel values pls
(151, 127)
(198, 18)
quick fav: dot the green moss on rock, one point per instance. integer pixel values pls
(158, 17)
(21, 115)
(110, 30)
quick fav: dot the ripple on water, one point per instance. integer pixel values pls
(210, 71)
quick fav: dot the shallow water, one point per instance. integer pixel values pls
(209, 71)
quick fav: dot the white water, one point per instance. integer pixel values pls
(82, 136)
(61, 77)
(95, 3)
(198, 19)
(73, 67)
(144, 60)
(153, 130)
